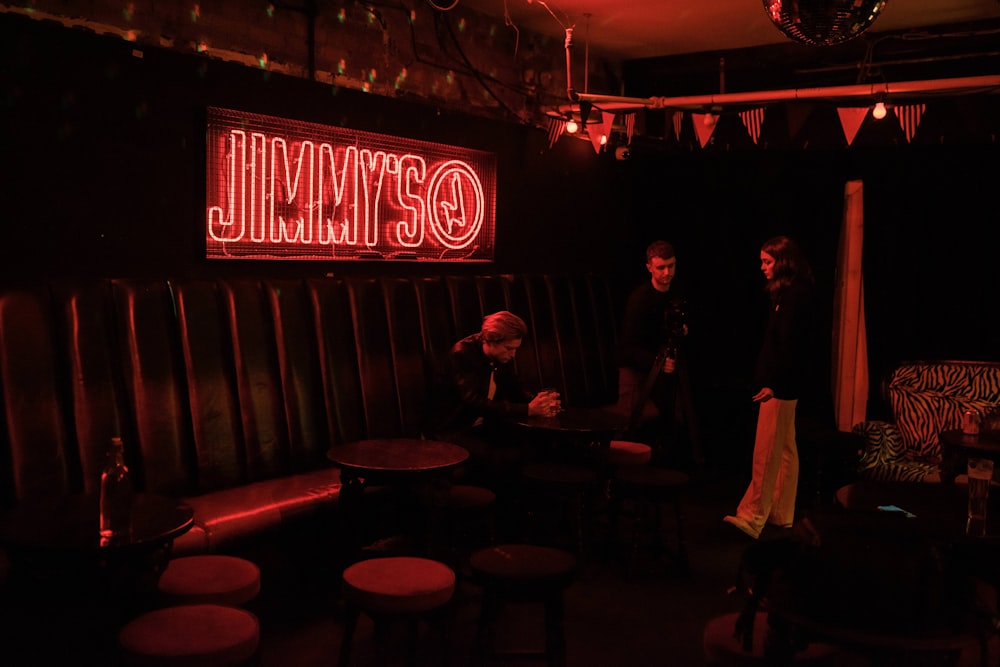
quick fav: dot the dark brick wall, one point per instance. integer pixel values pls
(456, 59)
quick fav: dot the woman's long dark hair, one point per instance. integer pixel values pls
(790, 266)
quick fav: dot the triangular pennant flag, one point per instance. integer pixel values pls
(556, 127)
(594, 131)
(797, 113)
(704, 126)
(752, 120)
(609, 122)
(678, 119)
(851, 119)
(629, 127)
(909, 118)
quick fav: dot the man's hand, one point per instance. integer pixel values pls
(545, 404)
(669, 365)
(764, 395)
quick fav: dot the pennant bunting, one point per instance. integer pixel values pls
(909, 118)
(556, 127)
(609, 122)
(752, 120)
(704, 126)
(851, 119)
(594, 131)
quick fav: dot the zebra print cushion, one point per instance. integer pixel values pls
(885, 458)
(882, 443)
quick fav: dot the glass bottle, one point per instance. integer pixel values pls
(116, 495)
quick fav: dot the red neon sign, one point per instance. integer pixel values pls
(283, 189)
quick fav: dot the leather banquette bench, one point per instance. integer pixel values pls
(228, 393)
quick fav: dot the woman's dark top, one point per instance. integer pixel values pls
(459, 395)
(783, 363)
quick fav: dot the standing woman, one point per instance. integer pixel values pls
(780, 371)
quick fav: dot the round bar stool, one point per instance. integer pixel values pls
(627, 452)
(642, 491)
(209, 579)
(523, 573)
(199, 635)
(403, 588)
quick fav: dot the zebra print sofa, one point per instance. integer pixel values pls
(925, 398)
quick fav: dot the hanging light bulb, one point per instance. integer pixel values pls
(878, 111)
(604, 139)
(572, 126)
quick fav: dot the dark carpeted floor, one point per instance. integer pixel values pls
(652, 615)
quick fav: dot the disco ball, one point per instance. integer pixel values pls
(823, 22)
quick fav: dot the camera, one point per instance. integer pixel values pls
(674, 320)
(623, 153)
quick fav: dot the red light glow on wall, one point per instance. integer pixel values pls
(283, 189)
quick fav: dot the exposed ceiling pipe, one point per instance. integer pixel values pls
(568, 46)
(866, 91)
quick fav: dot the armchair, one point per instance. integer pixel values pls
(925, 398)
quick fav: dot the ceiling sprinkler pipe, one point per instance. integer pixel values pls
(570, 92)
(953, 85)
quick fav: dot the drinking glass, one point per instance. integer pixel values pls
(980, 473)
(552, 390)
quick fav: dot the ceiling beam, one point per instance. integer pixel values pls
(866, 92)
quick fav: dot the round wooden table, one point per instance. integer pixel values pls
(576, 433)
(957, 447)
(936, 510)
(71, 523)
(414, 462)
(75, 585)
(394, 458)
(895, 584)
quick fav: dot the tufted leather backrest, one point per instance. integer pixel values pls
(33, 387)
(214, 384)
(300, 373)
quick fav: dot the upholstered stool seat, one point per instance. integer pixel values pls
(396, 587)
(523, 573)
(200, 635)
(723, 649)
(209, 578)
(643, 490)
(628, 452)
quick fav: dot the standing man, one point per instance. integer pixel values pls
(653, 386)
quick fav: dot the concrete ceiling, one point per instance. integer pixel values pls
(638, 29)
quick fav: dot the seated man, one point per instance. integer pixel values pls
(477, 396)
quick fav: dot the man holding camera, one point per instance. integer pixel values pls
(653, 387)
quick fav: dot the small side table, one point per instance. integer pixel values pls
(957, 447)
(392, 461)
(65, 530)
(575, 434)
(66, 584)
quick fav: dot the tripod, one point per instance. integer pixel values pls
(680, 392)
